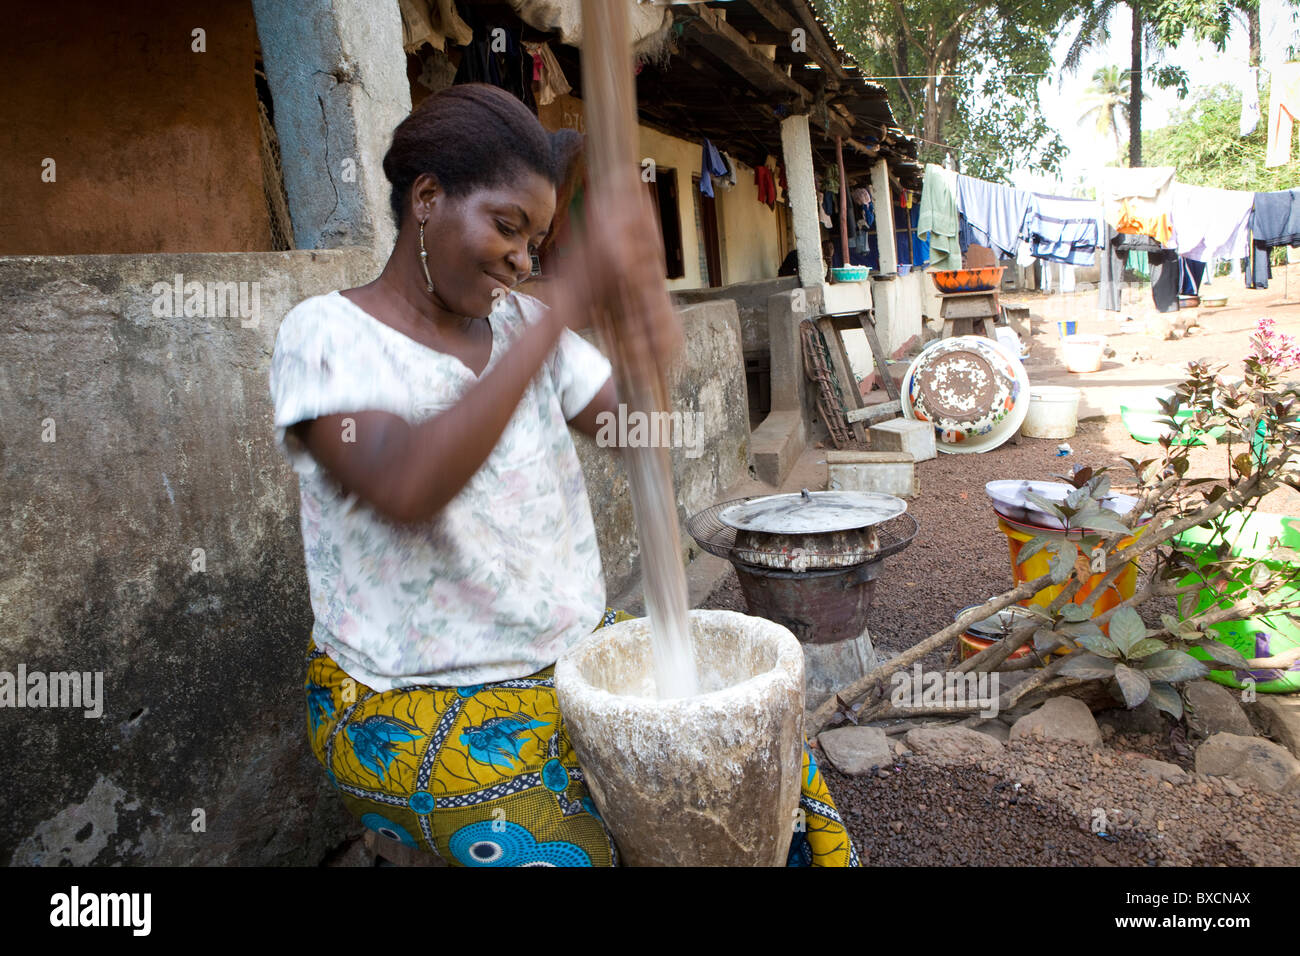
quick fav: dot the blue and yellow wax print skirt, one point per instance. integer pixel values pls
(485, 775)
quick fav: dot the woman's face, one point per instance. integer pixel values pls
(479, 244)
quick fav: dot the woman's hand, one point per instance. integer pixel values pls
(616, 267)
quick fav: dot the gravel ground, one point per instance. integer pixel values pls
(1036, 804)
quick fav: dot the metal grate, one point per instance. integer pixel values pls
(717, 538)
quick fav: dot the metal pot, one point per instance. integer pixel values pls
(811, 530)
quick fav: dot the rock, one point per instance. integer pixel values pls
(1142, 719)
(856, 750)
(995, 729)
(1213, 709)
(1249, 760)
(1279, 717)
(951, 742)
(1162, 770)
(1061, 718)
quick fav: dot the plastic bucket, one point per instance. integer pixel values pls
(1121, 590)
(1264, 635)
(1082, 353)
(1053, 412)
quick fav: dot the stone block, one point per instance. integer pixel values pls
(1249, 760)
(887, 472)
(1061, 718)
(776, 445)
(904, 434)
(856, 750)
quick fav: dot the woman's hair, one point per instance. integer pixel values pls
(474, 136)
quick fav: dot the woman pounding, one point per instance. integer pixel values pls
(449, 542)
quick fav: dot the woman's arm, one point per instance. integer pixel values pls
(408, 473)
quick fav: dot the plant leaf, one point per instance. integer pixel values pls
(1031, 548)
(1166, 698)
(1133, 684)
(1173, 666)
(1145, 648)
(1099, 644)
(1063, 562)
(1076, 612)
(1045, 639)
(1225, 655)
(1126, 629)
(1087, 666)
(1103, 521)
(1044, 504)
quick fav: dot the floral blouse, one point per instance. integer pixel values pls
(507, 575)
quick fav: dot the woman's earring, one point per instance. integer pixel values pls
(424, 260)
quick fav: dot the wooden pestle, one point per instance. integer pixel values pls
(609, 101)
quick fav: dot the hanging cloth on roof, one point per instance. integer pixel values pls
(937, 217)
(765, 185)
(512, 70)
(1210, 223)
(1250, 103)
(995, 213)
(1283, 110)
(1137, 201)
(547, 73)
(711, 165)
(728, 179)
(433, 22)
(1060, 229)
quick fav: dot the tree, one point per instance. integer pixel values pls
(1203, 144)
(1153, 27)
(962, 75)
(1106, 102)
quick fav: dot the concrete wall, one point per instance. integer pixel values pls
(337, 74)
(710, 380)
(751, 304)
(162, 444)
(156, 147)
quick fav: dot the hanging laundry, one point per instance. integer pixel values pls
(1274, 221)
(920, 246)
(728, 179)
(994, 213)
(547, 73)
(766, 187)
(1137, 201)
(1193, 271)
(1283, 109)
(937, 217)
(512, 70)
(433, 23)
(1250, 102)
(1065, 230)
(711, 165)
(1209, 223)
(1165, 270)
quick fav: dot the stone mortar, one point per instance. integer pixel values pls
(711, 780)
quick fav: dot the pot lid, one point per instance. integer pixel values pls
(813, 512)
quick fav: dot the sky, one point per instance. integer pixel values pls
(1063, 99)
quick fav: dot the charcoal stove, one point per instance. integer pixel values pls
(810, 562)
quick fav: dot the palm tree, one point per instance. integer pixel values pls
(1094, 30)
(1107, 102)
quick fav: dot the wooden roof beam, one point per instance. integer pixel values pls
(713, 33)
(775, 14)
